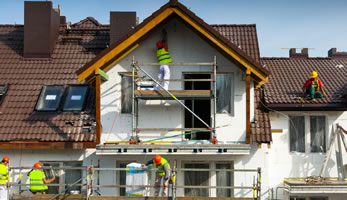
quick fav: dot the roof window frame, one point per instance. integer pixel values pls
(43, 90)
(4, 92)
(66, 94)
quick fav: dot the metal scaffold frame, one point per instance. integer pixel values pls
(135, 80)
(91, 183)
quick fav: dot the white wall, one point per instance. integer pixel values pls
(286, 164)
(184, 46)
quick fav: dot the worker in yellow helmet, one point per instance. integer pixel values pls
(37, 176)
(162, 175)
(164, 58)
(3, 177)
(313, 87)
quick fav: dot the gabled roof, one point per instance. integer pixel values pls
(288, 76)
(127, 43)
(18, 120)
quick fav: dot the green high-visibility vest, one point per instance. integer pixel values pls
(36, 177)
(163, 56)
(3, 174)
(160, 167)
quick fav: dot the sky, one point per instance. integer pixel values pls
(281, 24)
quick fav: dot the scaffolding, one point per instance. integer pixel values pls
(90, 183)
(176, 95)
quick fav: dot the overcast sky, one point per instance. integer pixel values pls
(316, 24)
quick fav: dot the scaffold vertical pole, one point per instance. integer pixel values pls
(133, 98)
(259, 183)
(214, 95)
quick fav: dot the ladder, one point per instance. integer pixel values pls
(336, 138)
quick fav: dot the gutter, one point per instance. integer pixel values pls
(308, 107)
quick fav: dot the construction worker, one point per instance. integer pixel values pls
(37, 176)
(3, 178)
(313, 87)
(162, 175)
(163, 58)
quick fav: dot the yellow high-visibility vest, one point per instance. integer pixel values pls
(36, 177)
(163, 56)
(3, 174)
(160, 167)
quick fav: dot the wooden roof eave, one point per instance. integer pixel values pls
(105, 60)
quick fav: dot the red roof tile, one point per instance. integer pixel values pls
(18, 120)
(288, 76)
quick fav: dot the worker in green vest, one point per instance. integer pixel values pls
(37, 176)
(164, 58)
(162, 175)
(3, 178)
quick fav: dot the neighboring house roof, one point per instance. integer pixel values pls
(127, 43)
(18, 120)
(288, 75)
(261, 126)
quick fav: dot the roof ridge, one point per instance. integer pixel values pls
(232, 24)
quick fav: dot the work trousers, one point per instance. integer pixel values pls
(164, 73)
(159, 181)
(3, 192)
(310, 90)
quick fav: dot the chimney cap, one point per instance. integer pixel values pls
(334, 53)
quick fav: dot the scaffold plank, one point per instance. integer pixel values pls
(46, 196)
(170, 129)
(179, 94)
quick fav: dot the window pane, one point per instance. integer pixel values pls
(75, 98)
(196, 178)
(317, 130)
(297, 198)
(122, 178)
(50, 98)
(223, 86)
(50, 173)
(126, 93)
(297, 133)
(71, 176)
(224, 179)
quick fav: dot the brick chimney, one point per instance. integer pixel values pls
(121, 23)
(333, 53)
(41, 28)
(294, 54)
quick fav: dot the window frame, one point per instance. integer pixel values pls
(43, 90)
(66, 94)
(121, 75)
(62, 172)
(307, 128)
(232, 94)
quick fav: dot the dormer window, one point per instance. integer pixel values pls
(62, 97)
(50, 98)
(3, 91)
(75, 97)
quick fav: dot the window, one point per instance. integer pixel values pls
(196, 178)
(3, 91)
(75, 98)
(224, 96)
(315, 137)
(297, 133)
(224, 179)
(297, 198)
(126, 93)
(63, 176)
(317, 130)
(50, 98)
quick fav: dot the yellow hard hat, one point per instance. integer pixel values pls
(314, 74)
